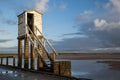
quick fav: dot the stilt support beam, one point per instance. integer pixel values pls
(40, 63)
(26, 53)
(32, 56)
(19, 53)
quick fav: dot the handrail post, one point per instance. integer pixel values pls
(44, 43)
(13, 61)
(54, 56)
(7, 61)
(1, 61)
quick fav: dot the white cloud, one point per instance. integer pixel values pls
(86, 14)
(62, 7)
(41, 5)
(84, 17)
(104, 25)
(113, 5)
(100, 23)
(116, 4)
(111, 20)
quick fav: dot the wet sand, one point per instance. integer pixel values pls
(88, 56)
(9, 73)
(78, 56)
(114, 65)
(17, 74)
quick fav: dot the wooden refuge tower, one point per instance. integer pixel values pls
(32, 43)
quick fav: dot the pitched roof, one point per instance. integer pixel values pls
(30, 11)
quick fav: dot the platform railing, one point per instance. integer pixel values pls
(45, 41)
(7, 60)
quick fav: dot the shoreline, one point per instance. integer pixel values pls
(113, 65)
(78, 56)
(25, 74)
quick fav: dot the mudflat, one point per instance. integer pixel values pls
(9, 73)
(88, 56)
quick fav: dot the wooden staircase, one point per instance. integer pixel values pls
(41, 47)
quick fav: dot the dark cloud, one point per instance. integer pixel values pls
(112, 16)
(8, 50)
(5, 40)
(10, 22)
(14, 47)
(108, 37)
(104, 37)
(2, 31)
(69, 34)
(77, 44)
(83, 30)
(96, 38)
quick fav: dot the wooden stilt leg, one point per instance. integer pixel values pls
(19, 53)
(32, 56)
(40, 64)
(26, 53)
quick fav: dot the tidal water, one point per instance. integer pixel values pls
(108, 69)
(96, 69)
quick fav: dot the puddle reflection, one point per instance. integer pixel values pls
(114, 65)
(96, 69)
(92, 69)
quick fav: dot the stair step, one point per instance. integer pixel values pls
(37, 42)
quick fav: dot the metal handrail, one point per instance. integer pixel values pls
(39, 42)
(49, 44)
(37, 51)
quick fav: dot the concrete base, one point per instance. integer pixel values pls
(62, 68)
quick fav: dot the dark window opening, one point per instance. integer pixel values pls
(30, 21)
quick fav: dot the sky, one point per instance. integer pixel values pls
(71, 25)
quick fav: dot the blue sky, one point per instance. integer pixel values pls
(71, 25)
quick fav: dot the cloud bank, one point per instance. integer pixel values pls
(116, 4)
(41, 5)
(102, 32)
(5, 40)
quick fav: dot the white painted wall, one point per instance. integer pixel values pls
(21, 25)
(22, 21)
